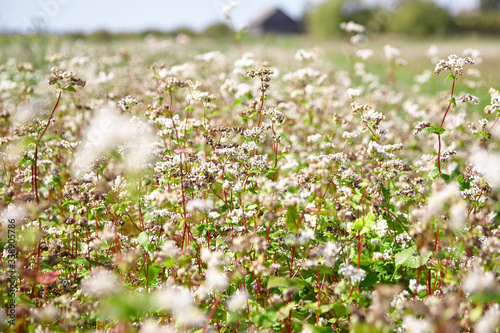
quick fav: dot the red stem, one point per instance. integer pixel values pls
(449, 105)
(442, 122)
(489, 131)
(436, 242)
(216, 303)
(35, 176)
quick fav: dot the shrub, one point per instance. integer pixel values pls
(324, 19)
(218, 30)
(485, 23)
(416, 17)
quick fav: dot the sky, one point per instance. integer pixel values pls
(122, 15)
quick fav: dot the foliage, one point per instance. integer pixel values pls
(485, 23)
(420, 17)
(489, 5)
(324, 19)
(218, 30)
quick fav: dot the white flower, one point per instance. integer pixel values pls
(454, 63)
(470, 98)
(414, 325)
(380, 228)
(490, 320)
(432, 52)
(350, 272)
(489, 164)
(364, 53)
(101, 282)
(127, 102)
(424, 77)
(180, 302)
(391, 52)
(150, 326)
(29, 110)
(474, 54)
(352, 27)
(330, 252)
(169, 249)
(210, 56)
(201, 205)
(238, 300)
(216, 279)
(314, 138)
(479, 281)
(353, 92)
(226, 9)
(303, 55)
(108, 130)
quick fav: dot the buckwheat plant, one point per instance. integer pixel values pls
(231, 193)
(455, 65)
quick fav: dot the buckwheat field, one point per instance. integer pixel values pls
(168, 185)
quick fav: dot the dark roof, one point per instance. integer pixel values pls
(274, 20)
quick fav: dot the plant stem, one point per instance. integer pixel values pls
(35, 177)
(489, 132)
(449, 105)
(216, 303)
(442, 122)
(38, 143)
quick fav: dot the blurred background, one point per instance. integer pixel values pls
(175, 31)
(99, 19)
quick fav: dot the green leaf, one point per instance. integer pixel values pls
(143, 239)
(70, 202)
(463, 184)
(364, 223)
(188, 108)
(483, 134)
(402, 256)
(434, 173)
(277, 281)
(292, 217)
(453, 101)
(450, 77)
(252, 206)
(126, 306)
(267, 319)
(386, 193)
(445, 177)
(122, 208)
(415, 261)
(169, 262)
(153, 272)
(79, 261)
(433, 130)
(26, 159)
(69, 88)
(408, 258)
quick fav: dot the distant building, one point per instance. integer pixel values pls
(275, 21)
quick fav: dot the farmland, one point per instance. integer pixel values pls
(292, 185)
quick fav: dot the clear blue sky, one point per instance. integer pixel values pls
(123, 15)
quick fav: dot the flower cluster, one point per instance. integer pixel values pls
(454, 63)
(64, 79)
(247, 197)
